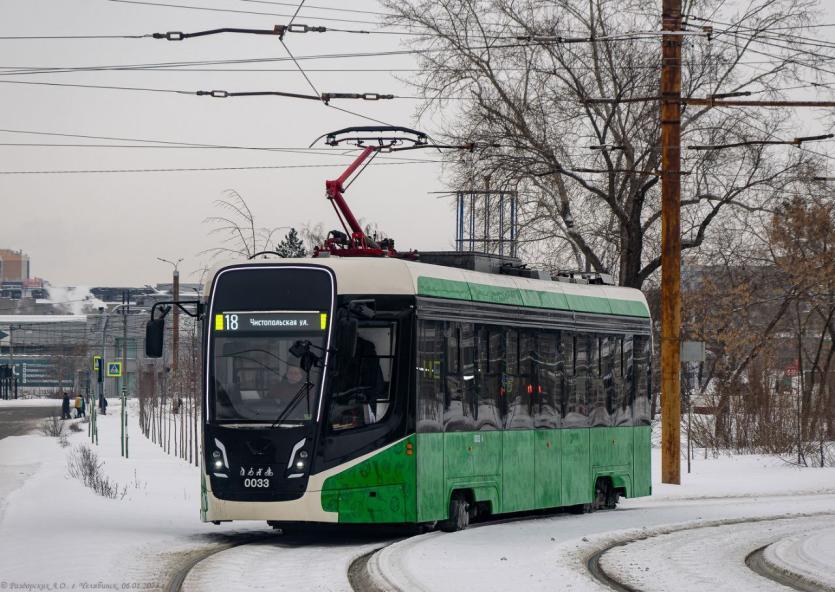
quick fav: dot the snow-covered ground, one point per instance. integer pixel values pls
(53, 530)
(810, 555)
(37, 402)
(680, 559)
(535, 553)
(316, 563)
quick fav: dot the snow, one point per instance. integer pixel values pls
(810, 556)
(741, 475)
(290, 562)
(534, 553)
(678, 560)
(52, 529)
(31, 403)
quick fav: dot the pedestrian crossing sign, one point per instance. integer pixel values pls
(114, 369)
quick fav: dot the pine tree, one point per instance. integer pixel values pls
(292, 246)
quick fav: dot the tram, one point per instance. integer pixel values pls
(366, 386)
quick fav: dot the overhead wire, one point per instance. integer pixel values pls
(42, 37)
(199, 169)
(769, 32)
(234, 11)
(320, 7)
(152, 143)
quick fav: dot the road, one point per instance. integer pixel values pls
(16, 421)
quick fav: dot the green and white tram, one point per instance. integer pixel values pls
(381, 390)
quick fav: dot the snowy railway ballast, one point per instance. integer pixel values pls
(368, 386)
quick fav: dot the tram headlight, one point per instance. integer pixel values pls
(220, 460)
(297, 462)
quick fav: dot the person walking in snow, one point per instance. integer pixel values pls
(65, 407)
(82, 407)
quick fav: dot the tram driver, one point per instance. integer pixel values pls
(358, 389)
(289, 386)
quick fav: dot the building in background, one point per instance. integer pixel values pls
(16, 282)
(14, 266)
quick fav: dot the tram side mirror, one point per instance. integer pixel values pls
(363, 309)
(154, 335)
(346, 341)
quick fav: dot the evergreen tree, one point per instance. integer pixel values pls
(292, 246)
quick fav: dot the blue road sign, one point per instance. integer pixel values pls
(114, 369)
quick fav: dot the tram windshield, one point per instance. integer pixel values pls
(267, 366)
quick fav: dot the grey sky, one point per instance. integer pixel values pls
(109, 228)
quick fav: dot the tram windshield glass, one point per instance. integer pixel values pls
(267, 365)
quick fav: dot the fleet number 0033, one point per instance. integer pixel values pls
(256, 482)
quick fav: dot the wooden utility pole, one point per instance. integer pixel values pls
(671, 243)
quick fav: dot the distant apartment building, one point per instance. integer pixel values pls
(14, 267)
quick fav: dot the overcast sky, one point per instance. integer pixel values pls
(108, 229)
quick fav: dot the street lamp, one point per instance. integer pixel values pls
(175, 293)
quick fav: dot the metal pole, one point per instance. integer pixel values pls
(671, 243)
(125, 298)
(460, 220)
(13, 381)
(175, 334)
(103, 362)
(125, 375)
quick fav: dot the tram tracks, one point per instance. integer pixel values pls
(364, 571)
(754, 560)
(757, 563)
(268, 556)
(192, 558)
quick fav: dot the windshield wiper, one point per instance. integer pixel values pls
(296, 398)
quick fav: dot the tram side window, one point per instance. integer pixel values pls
(629, 377)
(458, 412)
(430, 374)
(598, 358)
(548, 380)
(490, 358)
(642, 390)
(619, 397)
(576, 411)
(519, 412)
(362, 395)
(468, 374)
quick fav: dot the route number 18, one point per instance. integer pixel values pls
(231, 322)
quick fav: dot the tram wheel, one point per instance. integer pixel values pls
(459, 513)
(605, 495)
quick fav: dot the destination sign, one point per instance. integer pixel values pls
(270, 321)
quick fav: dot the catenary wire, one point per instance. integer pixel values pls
(180, 144)
(201, 169)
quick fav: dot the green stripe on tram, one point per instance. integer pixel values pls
(380, 489)
(511, 470)
(458, 290)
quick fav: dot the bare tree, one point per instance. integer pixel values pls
(768, 318)
(521, 76)
(802, 247)
(236, 228)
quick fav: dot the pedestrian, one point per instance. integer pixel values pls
(82, 409)
(65, 407)
(103, 405)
